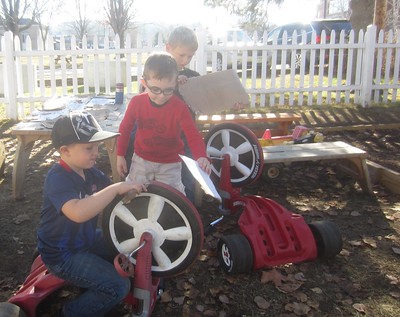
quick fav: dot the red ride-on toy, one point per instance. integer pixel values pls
(158, 234)
(270, 234)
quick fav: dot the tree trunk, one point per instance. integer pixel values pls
(380, 14)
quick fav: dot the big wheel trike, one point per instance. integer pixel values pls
(158, 234)
(270, 234)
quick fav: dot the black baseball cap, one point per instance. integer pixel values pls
(78, 127)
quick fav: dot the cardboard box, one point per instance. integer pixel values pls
(215, 92)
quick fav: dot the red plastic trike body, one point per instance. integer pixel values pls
(41, 283)
(276, 235)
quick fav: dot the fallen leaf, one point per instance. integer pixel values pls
(360, 308)
(393, 279)
(288, 287)
(261, 302)
(345, 252)
(210, 313)
(200, 308)
(355, 243)
(21, 218)
(223, 299)
(166, 297)
(302, 297)
(215, 290)
(370, 241)
(300, 277)
(192, 293)
(299, 309)
(355, 213)
(396, 250)
(273, 276)
(395, 295)
(179, 300)
(396, 215)
(317, 290)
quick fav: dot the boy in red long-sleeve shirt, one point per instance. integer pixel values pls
(161, 117)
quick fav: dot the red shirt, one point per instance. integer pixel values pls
(159, 129)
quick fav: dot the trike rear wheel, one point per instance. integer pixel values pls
(235, 254)
(327, 237)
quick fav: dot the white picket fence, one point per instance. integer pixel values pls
(362, 71)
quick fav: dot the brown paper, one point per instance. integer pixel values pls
(214, 92)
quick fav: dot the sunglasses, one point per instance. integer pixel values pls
(158, 91)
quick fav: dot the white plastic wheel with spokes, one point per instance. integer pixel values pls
(243, 148)
(169, 216)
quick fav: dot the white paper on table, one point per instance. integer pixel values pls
(201, 176)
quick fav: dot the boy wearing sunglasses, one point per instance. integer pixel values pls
(161, 117)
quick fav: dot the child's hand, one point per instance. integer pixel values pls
(182, 79)
(138, 188)
(122, 168)
(133, 188)
(204, 164)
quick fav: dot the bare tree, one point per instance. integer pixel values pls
(46, 10)
(80, 26)
(253, 14)
(120, 14)
(393, 15)
(14, 15)
(339, 9)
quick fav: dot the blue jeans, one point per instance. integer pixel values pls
(92, 271)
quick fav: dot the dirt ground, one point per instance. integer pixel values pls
(364, 280)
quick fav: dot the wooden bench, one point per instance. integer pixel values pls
(283, 121)
(348, 158)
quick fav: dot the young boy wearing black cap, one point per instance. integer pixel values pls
(75, 192)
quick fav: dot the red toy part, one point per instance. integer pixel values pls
(38, 285)
(276, 235)
(145, 291)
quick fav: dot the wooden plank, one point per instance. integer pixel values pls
(248, 118)
(351, 158)
(385, 176)
(311, 151)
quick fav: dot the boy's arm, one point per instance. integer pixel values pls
(125, 129)
(81, 210)
(122, 167)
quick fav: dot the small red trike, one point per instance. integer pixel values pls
(269, 234)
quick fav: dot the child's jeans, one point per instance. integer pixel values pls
(89, 270)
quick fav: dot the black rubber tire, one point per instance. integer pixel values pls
(244, 149)
(235, 254)
(159, 210)
(327, 237)
(11, 310)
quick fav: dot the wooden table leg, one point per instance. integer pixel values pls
(112, 155)
(357, 168)
(24, 148)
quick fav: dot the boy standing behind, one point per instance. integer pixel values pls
(182, 45)
(161, 118)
